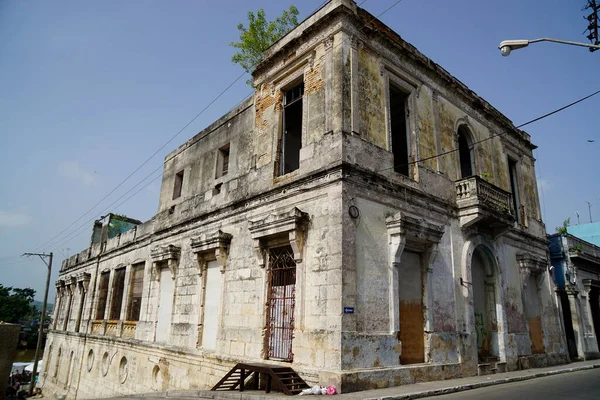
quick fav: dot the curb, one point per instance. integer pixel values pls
(470, 386)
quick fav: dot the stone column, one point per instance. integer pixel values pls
(578, 327)
(58, 304)
(591, 344)
(124, 303)
(83, 282)
(70, 287)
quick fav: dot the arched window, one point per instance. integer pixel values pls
(465, 152)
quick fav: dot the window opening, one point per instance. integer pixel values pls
(178, 185)
(465, 153)
(135, 294)
(80, 313)
(514, 187)
(117, 298)
(399, 125)
(102, 293)
(223, 161)
(292, 130)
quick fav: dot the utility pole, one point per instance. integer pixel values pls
(577, 212)
(592, 22)
(43, 257)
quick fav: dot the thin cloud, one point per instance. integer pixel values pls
(72, 170)
(12, 219)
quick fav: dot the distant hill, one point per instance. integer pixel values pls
(38, 305)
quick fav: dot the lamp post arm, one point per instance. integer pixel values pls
(592, 46)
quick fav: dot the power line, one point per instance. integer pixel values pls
(70, 236)
(157, 151)
(495, 134)
(149, 158)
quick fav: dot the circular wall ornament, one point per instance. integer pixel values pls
(105, 363)
(123, 369)
(156, 378)
(354, 211)
(90, 360)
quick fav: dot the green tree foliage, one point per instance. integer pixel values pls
(260, 35)
(15, 304)
(563, 229)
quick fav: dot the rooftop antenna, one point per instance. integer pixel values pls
(590, 210)
(577, 212)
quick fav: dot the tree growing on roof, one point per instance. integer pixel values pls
(260, 35)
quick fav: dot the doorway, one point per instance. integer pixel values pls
(483, 277)
(412, 321)
(281, 295)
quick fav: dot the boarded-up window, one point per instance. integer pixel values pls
(135, 294)
(117, 298)
(102, 295)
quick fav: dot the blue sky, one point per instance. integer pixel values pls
(89, 90)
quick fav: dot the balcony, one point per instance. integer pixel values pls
(483, 205)
(579, 248)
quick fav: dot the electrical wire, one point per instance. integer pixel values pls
(495, 134)
(70, 236)
(148, 159)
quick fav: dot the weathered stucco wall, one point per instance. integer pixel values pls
(383, 280)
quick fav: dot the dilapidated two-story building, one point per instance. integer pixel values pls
(364, 218)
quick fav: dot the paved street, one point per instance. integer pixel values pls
(573, 386)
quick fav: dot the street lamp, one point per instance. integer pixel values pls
(509, 45)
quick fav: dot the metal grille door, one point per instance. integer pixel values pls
(281, 302)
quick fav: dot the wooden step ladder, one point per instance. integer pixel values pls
(283, 379)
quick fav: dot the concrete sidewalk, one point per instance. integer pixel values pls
(414, 391)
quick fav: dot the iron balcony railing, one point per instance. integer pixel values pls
(475, 190)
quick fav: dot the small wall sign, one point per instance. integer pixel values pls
(348, 310)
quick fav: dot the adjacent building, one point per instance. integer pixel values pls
(576, 269)
(364, 218)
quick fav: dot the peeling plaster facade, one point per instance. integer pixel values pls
(376, 278)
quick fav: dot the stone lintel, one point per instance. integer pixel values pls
(169, 254)
(531, 264)
(211, 247)
(83, 279)
(292, 223)
(414, 229)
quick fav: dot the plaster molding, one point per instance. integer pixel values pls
(414, 229)
(531, 264)
(169, 254)
(210, 247)
(292, 224)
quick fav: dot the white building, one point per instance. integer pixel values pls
(315, 225)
